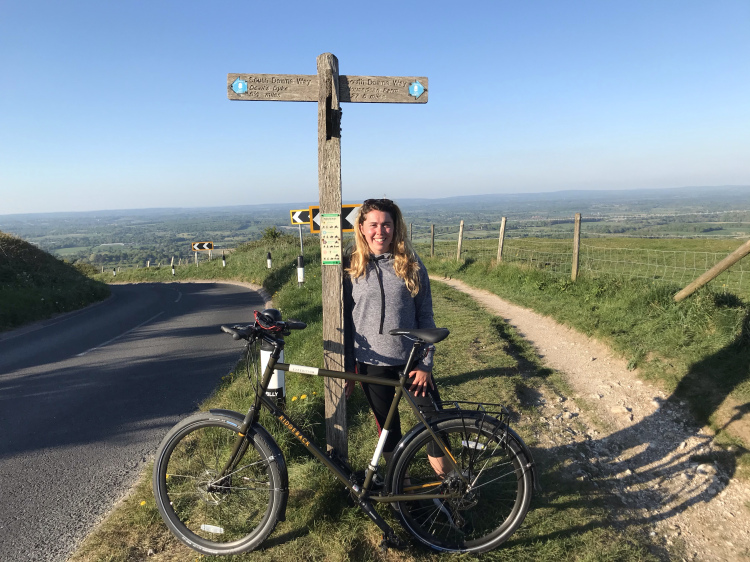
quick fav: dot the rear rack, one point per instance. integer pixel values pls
(495, 410)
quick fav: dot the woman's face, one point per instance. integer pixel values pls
(377, 229)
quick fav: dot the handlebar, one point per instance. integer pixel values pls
(238, 332)
(264, 322)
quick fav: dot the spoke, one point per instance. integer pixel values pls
(221, 488)
(481, 471)
(261, 461)
(494, 480)
(492, 453)
(181, 476)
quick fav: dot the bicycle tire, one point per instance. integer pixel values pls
(219, 518)
(483, 516)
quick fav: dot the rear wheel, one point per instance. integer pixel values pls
(485, 508)
(210, 514)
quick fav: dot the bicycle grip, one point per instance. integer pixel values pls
(295, 325)
(229, 330)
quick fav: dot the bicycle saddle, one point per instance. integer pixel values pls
(427, 335)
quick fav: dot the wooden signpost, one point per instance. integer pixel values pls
(330, 89)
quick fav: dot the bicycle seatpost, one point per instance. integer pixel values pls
(416, 349)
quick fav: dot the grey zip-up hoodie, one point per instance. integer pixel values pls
(379, 302)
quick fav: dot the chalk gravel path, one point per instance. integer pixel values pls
(633, 442)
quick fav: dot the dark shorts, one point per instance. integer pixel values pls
(380, 398)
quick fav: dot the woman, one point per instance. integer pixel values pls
(386, 287)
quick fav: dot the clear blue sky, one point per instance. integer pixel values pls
(107, 105)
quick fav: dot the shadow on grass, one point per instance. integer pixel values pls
(629, 467)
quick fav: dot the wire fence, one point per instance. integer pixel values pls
(676, 258)
(549, 245)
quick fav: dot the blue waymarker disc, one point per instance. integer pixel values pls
(416, 89)
(239, 86)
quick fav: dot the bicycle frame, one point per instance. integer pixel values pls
(342, 473)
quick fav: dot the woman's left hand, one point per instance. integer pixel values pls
(422, 379)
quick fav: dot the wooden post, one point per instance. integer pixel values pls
(460, 240)
(196, 259)
(329, 90)
(712, 273)
(501, 241)
(432, 240)
(332, 275)
(576, 247)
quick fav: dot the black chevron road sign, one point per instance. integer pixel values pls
(348, 218)
(300, 216)
(202, 246)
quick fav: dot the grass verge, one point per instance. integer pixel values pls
(696, 349)
(35, 285)
(482, 360)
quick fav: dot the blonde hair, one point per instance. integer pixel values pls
(405, 262)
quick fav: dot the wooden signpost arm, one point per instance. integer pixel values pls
(329, 187)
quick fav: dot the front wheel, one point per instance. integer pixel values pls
(216, 514)
(488, 500)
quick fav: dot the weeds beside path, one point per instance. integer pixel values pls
(634, 442)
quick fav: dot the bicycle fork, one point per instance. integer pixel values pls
(241, 443)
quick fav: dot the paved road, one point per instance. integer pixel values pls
(86, 399)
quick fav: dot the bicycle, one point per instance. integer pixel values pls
(221, 485)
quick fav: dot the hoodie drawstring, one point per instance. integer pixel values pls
(379, 275)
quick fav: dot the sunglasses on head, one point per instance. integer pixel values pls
(378, 203)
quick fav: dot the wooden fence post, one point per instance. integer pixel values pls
(501, 241)
(714, 272)
(460, 240)
(576, 246)
(432, 240)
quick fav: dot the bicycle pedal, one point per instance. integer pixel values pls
(392, 541)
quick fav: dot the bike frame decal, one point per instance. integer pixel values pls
(304, 370)
(290, 426)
